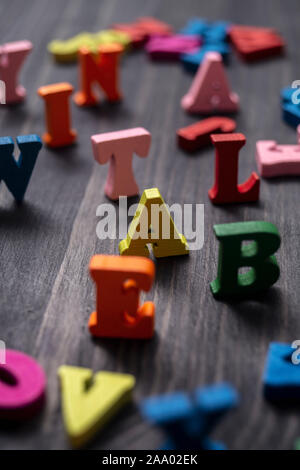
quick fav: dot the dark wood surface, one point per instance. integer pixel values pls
(46, 293)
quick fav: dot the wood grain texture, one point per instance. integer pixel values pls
(46, 293)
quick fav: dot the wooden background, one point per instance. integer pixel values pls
(46, 293)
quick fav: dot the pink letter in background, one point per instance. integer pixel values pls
(12, 56)
(278, 160)
(210, 91)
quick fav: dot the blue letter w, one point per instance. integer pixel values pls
(16, 173)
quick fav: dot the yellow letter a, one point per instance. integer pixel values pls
(153, 224)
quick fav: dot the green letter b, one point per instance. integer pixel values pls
(257, 255)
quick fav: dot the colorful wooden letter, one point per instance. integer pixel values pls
(102, 69)
(197, 135)
(118, 148)
(12, 56)
(153, 224)
(214, 37)
(22, 386)
(16, 173)
(188, 419)
(171, 47)
(90, 401)
(210, 92)
(67, 50)
(277, 160)
(257, 255)
(281, 376)
(226, 188)
(59, 132)
(118, 282)
(252, 43)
